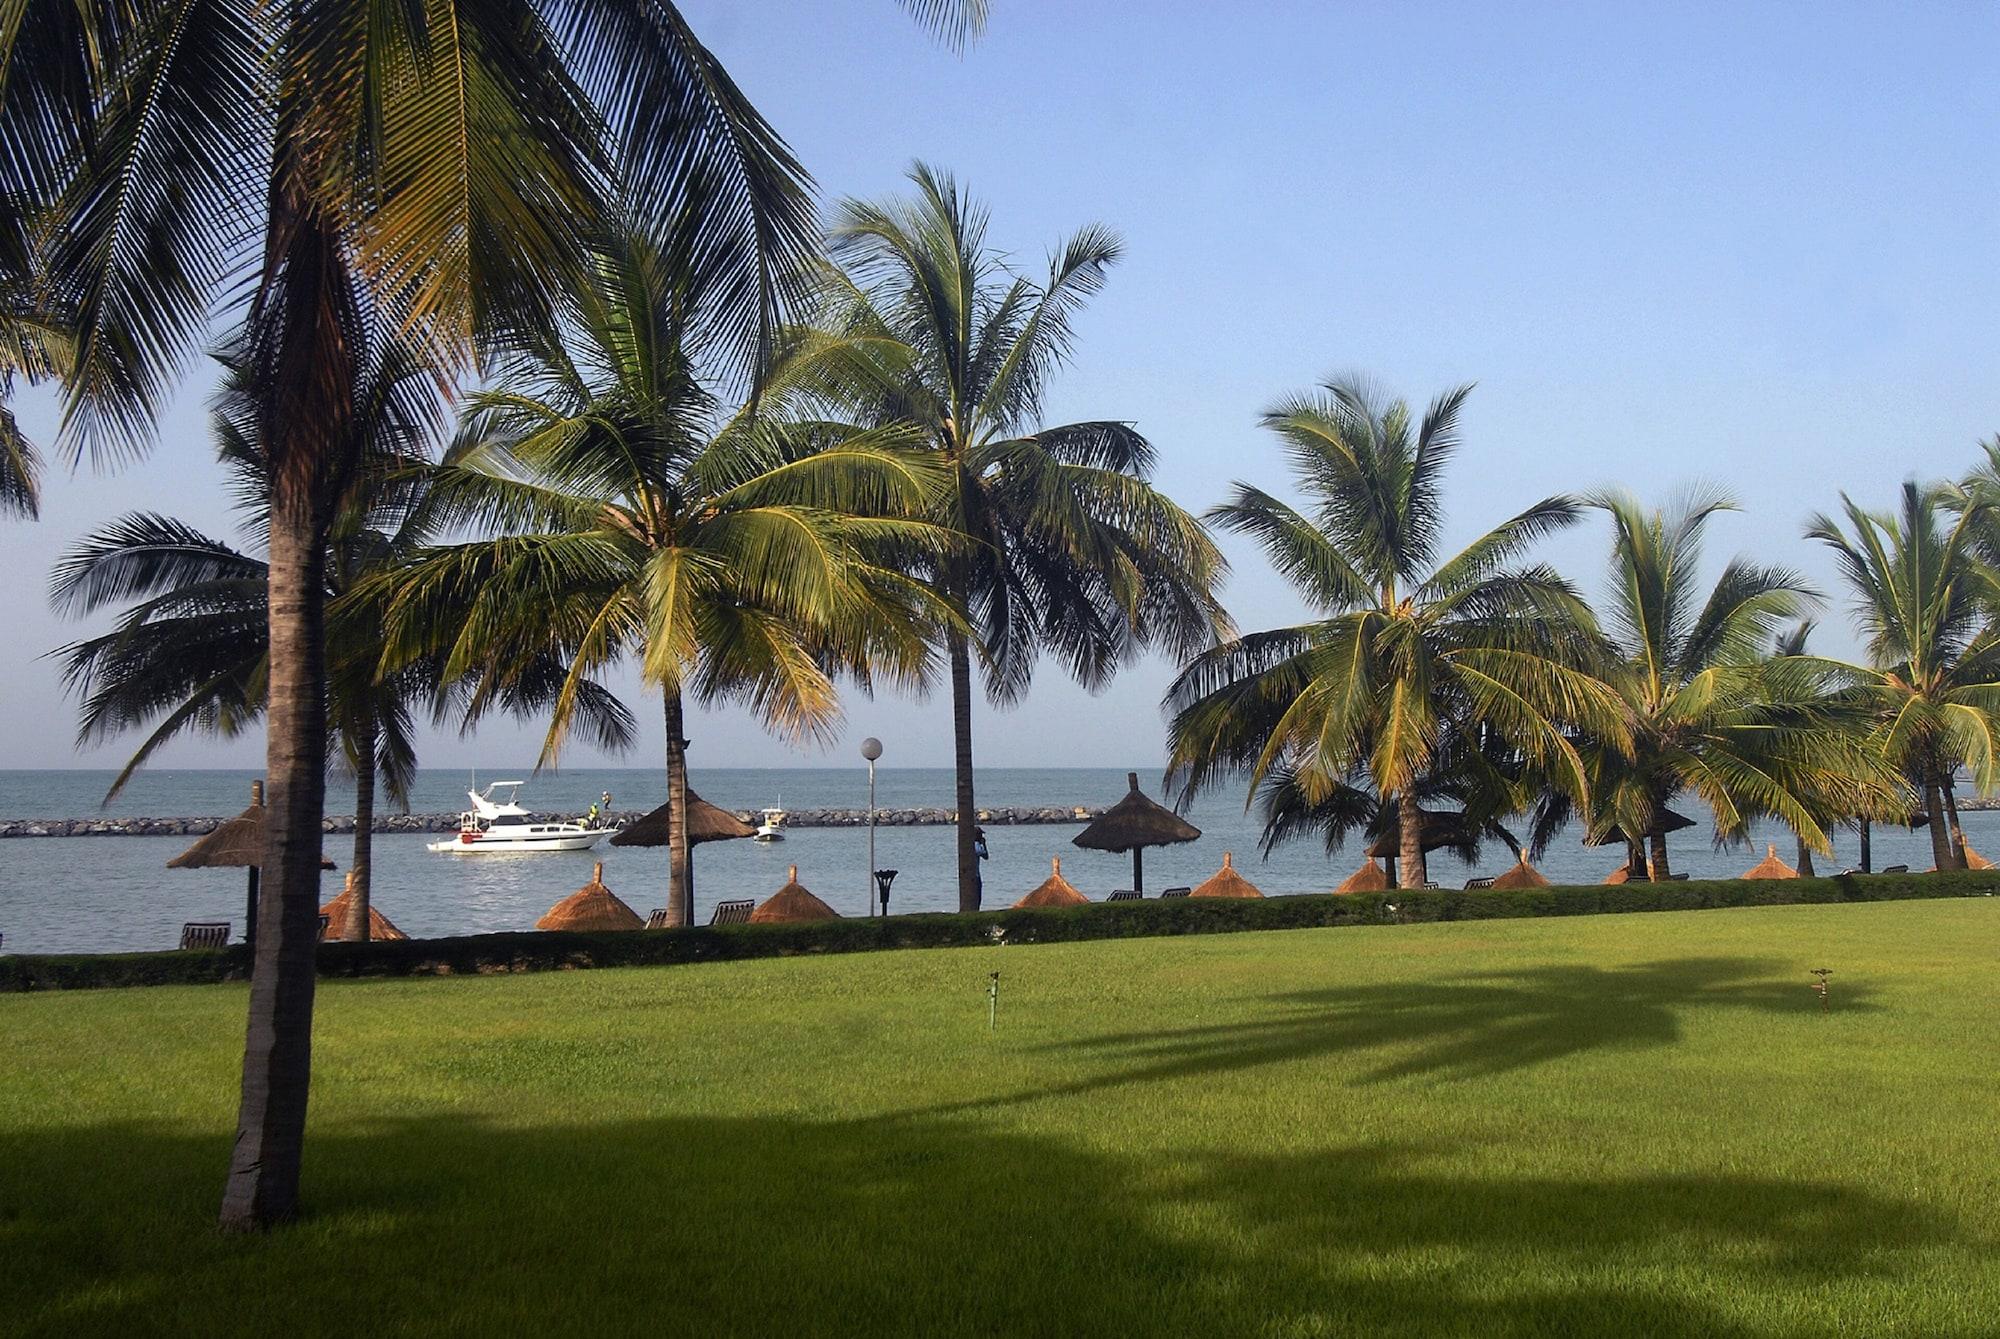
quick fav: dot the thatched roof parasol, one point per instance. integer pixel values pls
(1133, 824)
(591, 907)
(1623, 874)
(706, 823)
(341, 908)
(236, 844)
(1666, 821)
(792, 903)
(1055, 891)
(1226, 882)
(1770, 867)
(1522, 875)
(1442, 828)
(1370, 878)
(1974, 860)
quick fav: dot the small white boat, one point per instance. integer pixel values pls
(497, 825)
(772, 829)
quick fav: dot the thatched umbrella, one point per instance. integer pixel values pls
(1226, 882)
(706, 823)
(1522, 875)
(591, 907)
(1054, 891)
(1623, 874)
(1370, 878)
(1442, 828)
(341, 908)
(236, 844)
(1133, 824)
(1664, 822)
(792, 903)
(1770, 867)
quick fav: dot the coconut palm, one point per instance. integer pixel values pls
(1409, 659)
(629, 513)
(1921, 598)
(322, 156)
(1075, 553)
(1712, 713)
(189, 652)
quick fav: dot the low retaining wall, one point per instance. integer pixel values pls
(335, 824)
(533, 951)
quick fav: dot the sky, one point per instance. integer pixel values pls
(1756, 246)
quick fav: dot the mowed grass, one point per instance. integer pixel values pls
(1590, 1126)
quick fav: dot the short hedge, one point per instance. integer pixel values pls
(536, 951)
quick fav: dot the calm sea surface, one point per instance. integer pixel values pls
(102, 894)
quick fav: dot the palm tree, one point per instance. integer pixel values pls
(1711, 712)
(1932, 682)
(1409, 660)
(732, 553)
(324, 155)
(189, 653)
(1075, 553)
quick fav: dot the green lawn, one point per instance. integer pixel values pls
(1587, 1126)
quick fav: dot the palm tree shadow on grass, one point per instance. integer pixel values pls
(1464, 1027)
(919, 1226)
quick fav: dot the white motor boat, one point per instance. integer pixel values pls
(772, 829)
(496, 825)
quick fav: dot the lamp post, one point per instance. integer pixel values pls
(871, 749)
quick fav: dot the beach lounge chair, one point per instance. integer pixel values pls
(1430, 883)
(1126, 895)
(324, 921)
(1676, 878)
(205, 934)
(656, 919)
(1895, 869)
(1175, 892)
(1483, 882)
(732, 913)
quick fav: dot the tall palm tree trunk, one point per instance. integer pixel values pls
(300, 322)
(1805, 866)
(1950, 789)
(1410, 822)
(1635, 860)
(1941, 854)
(367, 742)
(1657, 843)
(680, 880)
(961, 733)
(263, 1186)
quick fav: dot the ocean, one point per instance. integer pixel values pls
(110, 894)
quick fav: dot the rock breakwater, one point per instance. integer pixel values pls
(391, 823)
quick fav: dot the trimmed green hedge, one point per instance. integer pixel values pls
(537, 951)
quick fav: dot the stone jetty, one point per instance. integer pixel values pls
(796, 818)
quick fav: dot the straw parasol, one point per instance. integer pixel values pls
(792, 903)
(1370, 878)
(1770, 867)
(1666, 821)
(1442, 828)
(591, 907)
(1623, 874)
(1133, 824)
(338, 912)
(1226, 882)
(706, 823)
(1522, 875)
(236, 844)
(1055, 891)
(1974, 860)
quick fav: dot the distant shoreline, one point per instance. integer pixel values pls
(335, 825)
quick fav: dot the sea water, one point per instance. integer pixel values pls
(107, 894)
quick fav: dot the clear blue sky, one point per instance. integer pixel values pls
(1758, 245)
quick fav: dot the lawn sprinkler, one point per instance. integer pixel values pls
(992, 1001)
(1822, 973)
